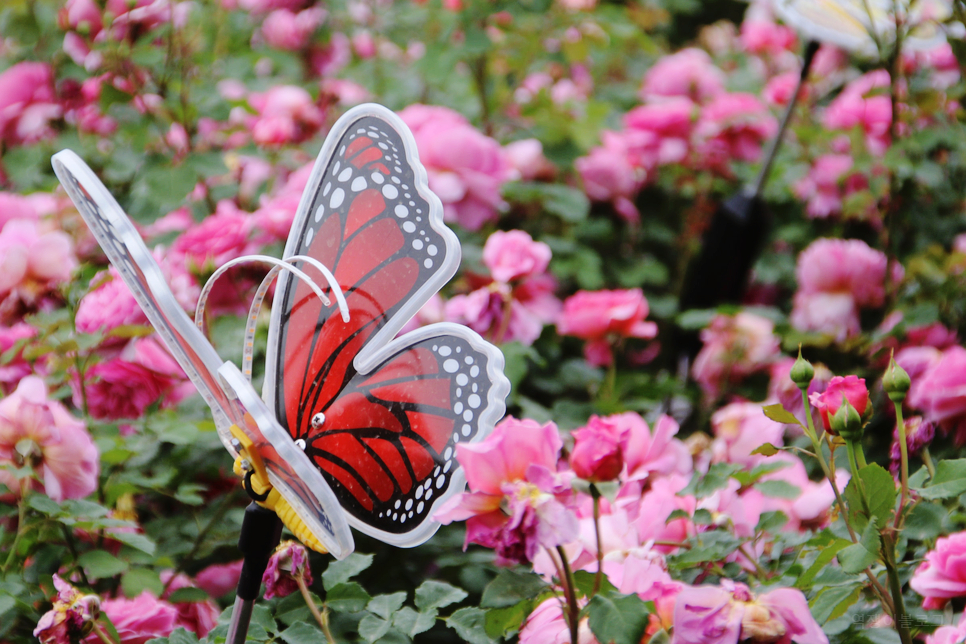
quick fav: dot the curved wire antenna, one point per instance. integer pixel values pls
(278, 265)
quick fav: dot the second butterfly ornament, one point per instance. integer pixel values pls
(355, 426)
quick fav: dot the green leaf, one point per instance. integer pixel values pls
(924, 522)
(349, 597)
(136, 581)
(566, 202)
(6, 603)
(181, 636)
(859, 556)
(136, 541)
(437, 594)
(779, 489)
(779, 414)
(771, 522)
(412, 623)
(263, 617)
(302, 633)
(950, 480)
(504, 622)
(372, 628)
(340, 572)
(833, 601)
(470, 624)
(43, 504)
(825, 556)
(716, 479)
(880, 489)
(188, 595)
(385, 605)
(617, 619)
(509, 588)
(766, 449)
(100, 564)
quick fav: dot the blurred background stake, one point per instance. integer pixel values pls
(260, 532)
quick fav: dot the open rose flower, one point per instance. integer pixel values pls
(71, 618)
(140, 619)
(942, 576)
(518, 501)
(602, 317)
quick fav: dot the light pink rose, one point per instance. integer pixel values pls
(765, 38)
(608, 175)
(649, 451)
(218, 579)
(734, 347)
(873, 114)
(942, 576)
(526, 160)
(286, 114)
(15, 367)
(827, 184)
(729, 613)
(513, 255)
(547, 625)
(659, 133)
(81, 15)
(940, 393)
(32, 261)
(778, 91)
(657, 504)
(739, 429)
(125, 386)
(599, 316)
(689, 73)
(466, 168)
(285, 29)
(834, 314)
(517, 501)
(140, 619)
(845, 266)
(949, 634)
(222, 236)
(27, 103)
(732, 127)
(137, 17)
(60, 449)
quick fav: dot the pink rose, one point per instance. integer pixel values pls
(608, 175)
(834, 314)
(285, 29)
(108, 306)
(689, 73)
(739, 429)
(287, 566)
(219, 579)
(32, 261)
(286, 114)
(222, 236)
(14, 368)
(765, 38)
(81, 15)
(199, 617)
(27, 103)
(547, 625)
(827, 184)
(734, 347)
(57, 445)
(71, 617)
(940, 393)
(873, 114)
(648, 451)
(942, 576)
(513, 255)
(733, 127)
(844, 266)
(659, 133)
(466, 168)
(782, 389)
(850, 388)
(598, 315)
(597, 454)
(518, 501)
(140, 619)
(526, 160)
(729, 613)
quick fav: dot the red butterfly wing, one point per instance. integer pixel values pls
(390, 412)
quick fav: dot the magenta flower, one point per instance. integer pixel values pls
(940, 393)
(140, 619)
(518, 501)
(601, 317)
(288, 30)
(942, 576)
(27, 103)
(71, 618)
(597, 455)
(609, 176)
(41, 433)
(730, 613)
(199, 617)
(689, 73)
(732, 127)
(218, 579)
(285, 114)
(288, 565)
(851, 388)
(513, 255)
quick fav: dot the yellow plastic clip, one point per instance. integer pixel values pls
(249, 465)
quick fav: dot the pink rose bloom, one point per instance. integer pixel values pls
(659, 133)
(287, 565)
(941, 392)
(285, 29)
(597, 455)
(13, 369)
(734, 347)
(942, 576)
(31, 261)
(222, 236)
(782, 389)
(657, 504)
(197, 617)
(532, 305)
(649, 451)
(526, 160)
(689, 73)
(827, 184)
(27, 103)
(844, 266)
(518, 501)
(919, 434)
(850, 388)
(81, 15)
(71, 617)
(61, 451)
(466, 168)
(733, 126)
(125, 386)
(834, 314)
(546, 625)
(765, 38)
(108, 306)
(729, 613)
(286, 114)
(136, 17)
(778, 91)
(219, 579)
(513, 255)
(949, 634)
(602, 316)
(873, 114)
(608, 175)
(140, 619)
(917, 361)
(739, 429)
(345, 92)
(259, 7)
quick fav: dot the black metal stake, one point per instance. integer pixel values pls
(260, 532)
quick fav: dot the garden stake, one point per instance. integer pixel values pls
(260, 532)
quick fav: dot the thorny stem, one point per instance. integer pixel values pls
(903, 464)
(573, 610)
(323, 620)
(595, 495)
(760, 572)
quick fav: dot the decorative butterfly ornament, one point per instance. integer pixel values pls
(357, 427)
(850, 24)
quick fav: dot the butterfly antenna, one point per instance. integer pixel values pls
(330, 278)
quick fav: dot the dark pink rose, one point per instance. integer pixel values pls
(851, 388)
(597, 454)
(942, 576)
